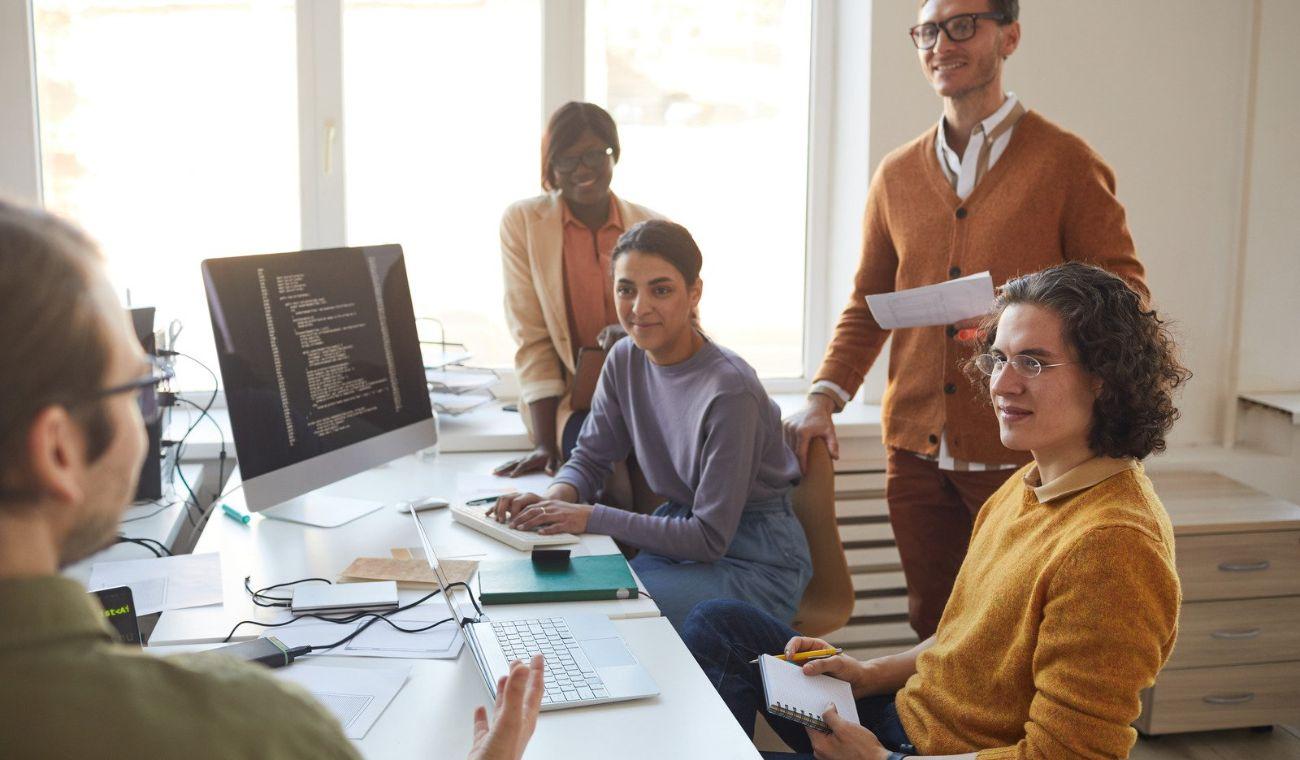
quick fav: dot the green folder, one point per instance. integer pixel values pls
(605, 576)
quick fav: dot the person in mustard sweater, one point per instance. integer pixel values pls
(1066, 605)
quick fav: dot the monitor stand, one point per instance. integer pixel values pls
(321, 511)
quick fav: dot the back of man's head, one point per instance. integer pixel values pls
(52, 334)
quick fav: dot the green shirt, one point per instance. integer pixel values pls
(67, 690)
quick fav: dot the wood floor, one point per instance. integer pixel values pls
(1282, 743)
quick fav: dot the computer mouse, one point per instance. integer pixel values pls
(423, 505)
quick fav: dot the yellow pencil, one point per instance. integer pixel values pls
(811, 654)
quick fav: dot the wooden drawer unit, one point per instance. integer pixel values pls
(1239, 566)
(1231, 697)
(1237, 632)
(1237, 659)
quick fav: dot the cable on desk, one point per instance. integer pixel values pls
(180, 445)
(261, 599)
(350, 617)
(161, 508)
(148, 543)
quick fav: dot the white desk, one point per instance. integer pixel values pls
(273, 551)
(431, 716)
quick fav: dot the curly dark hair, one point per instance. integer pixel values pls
(1128, 347)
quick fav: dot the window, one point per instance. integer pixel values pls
(177, 131)
(169, 131)
(442, 103)
(711, 101)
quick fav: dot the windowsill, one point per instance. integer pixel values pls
(489, 428)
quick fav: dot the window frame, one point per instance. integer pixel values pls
(322, 159)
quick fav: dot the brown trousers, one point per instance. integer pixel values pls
(932, 512)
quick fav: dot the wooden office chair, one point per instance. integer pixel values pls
(827, 603)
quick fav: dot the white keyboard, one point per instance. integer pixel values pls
(569, 675)
(523, 540)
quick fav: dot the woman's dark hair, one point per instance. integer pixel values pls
(667, 240)
(1127, 347)
(566, 127)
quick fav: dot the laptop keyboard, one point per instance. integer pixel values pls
(569, 675)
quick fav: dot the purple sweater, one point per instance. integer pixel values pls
(705, 434)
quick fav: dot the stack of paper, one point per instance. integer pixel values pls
(941, 304)
(166, 583)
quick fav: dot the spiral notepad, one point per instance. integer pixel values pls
(791, 694)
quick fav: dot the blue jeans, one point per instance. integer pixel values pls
(767, 564)
(725, 635)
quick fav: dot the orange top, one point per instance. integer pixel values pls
(588, 285)
(1048, 199)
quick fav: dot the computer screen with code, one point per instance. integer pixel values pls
(318, 351)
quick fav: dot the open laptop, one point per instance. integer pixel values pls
(587, 662)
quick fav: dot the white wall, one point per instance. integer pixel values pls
(1270, 314)
(1159, 88)
(19, 175)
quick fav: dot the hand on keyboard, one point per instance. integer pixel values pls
(553, 516)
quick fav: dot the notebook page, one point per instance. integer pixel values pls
(786, 686)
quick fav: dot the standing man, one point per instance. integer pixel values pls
(993, 187)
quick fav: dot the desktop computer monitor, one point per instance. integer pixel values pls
(322, 372)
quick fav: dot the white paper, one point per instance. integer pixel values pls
(471, 485)
(448, 381)
(786, 685)
(166, 583)
(941, 304)
(356, 696)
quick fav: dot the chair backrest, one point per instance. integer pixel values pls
(827, 603)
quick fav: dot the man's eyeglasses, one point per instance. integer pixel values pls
(147, 386)
(958, 28)
(594, 159)
(1025, 366)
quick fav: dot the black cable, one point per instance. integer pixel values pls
(262, 601)
(160, 551)
(221, 460)
(180, 445)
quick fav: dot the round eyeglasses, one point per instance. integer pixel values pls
(593, 159)
(958, 28)
(1025, 366)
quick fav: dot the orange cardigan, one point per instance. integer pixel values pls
(1048, 199)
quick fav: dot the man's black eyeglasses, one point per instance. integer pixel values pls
(594, 159)
(958, 28)
(147, 386)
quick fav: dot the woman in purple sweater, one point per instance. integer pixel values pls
(708, 439)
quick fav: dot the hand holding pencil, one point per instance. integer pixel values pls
(816, 656)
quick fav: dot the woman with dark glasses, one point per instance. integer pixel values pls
(555, 252)
(1066, 605)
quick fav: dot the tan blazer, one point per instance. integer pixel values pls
(532, 261)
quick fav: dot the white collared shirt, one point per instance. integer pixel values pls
(963, 167)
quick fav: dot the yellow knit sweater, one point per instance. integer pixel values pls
(1063, 610)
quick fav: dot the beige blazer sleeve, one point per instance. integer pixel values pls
(537, 363)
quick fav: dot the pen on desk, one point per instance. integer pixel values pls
(235, 514)
(482, 501)
(811, 654)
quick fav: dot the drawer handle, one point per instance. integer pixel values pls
(1243, 567)
(1247, 633)
(1229, 699)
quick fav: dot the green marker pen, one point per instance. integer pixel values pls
(235, 514)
